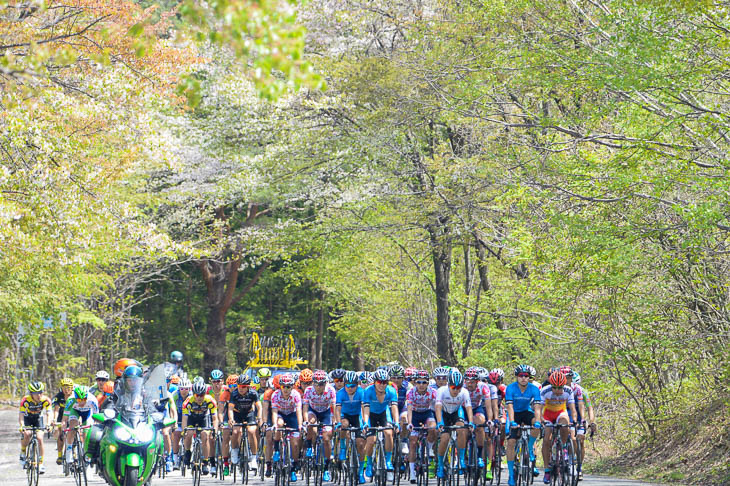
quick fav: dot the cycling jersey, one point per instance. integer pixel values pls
(60, 400)
(286, 405)
(351, 405)
(370, 399)
(420, 402)
(243, 402)
(317, 402)
(208, 405)
(451, 404)
(75, 408)
(556, 403)
(522, 401)
(179, 401)
(402, 391)
(30, 407)
(479, 396)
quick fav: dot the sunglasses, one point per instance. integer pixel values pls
(381, 382)
(338, 381)
(455, 387)
(217, 381)
(320, 383)
(351, 385)
(285, 387)
(200, 394)
(523, 375)
(421, 382)
(80, 400)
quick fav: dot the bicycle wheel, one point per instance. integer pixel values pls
(526, 464)
(570, 477)
(496, 464)
(578, 460)
(80, 460)
(422, 463)
(219, 455)
(32, 461)
(288, 466)
(353, 463)
(244, 457)
(318, 455)
(196, 462)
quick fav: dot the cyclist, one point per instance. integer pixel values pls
(521, 396)
(558, 398)
(35, 411)
(264, 374)
(338, 379)
(286, 411)
(440, 377)
(244, 408)
(178, 398)
(199, 410)
(348, 413)
(319, 400)
(481, 403)
(59, 405)
(216, 390)
(453, 408)
(419, 402)
(79, 409)
(365, 379)
(586, 413)
(223, 400)
(380, 409)
(169, 408)
(304, 381)
(397, 376)
(176, 358)
(97, 388)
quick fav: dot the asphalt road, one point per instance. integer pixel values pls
(11, 474)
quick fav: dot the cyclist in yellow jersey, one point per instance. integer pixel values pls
(198, 410)
(59, 404)
(34, 408)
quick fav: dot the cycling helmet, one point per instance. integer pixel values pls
(471, 374)
(411, 372)
(175, 380)
(216, 375)
(350, 377)
(364, 376)
(422, 375)
(231, 379)
(566, 370)
(102, 375)
(121, 364)
(199, 388)
(576, 378)
(255, 380)
(557, 378)
(306, 375)
(533, 372)
(264, 372)
(500, 372)
(483, 374)
(36, 387)
(456, 378)
(286, 380)
(319, 376)
(273, 382)
(243, 379)
(440, 372)
(198, 379)
(80, 393)
(522, 369)
(380, 375)
(552, 370)
(66, 382)
(397, 371)
(176, 357)
(338, 374)
(108, 388)
(493, 378)
(185, 383)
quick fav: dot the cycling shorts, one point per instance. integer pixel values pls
(323, 417)
(243, 417)
(378, 420)
(451, 419)
(33, 420)
(354, 421)
(83, 417)
(553, 417)
(198, 420)
(522, 418)
(290, 421)
(480, 411)
(422, 419)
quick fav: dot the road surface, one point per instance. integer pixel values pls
(11, 474)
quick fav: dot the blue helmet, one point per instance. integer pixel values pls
(176, 357)
(133, 371)
(216, 375)
(380, 375)
(456, 378)
(350, 377)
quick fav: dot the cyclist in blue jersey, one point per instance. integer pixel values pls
(521, 396)
(380, 409)
(397, 379)
(348, 413)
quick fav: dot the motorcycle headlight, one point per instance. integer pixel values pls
(144, 433)
(121, 433)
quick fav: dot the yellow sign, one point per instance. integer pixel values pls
(274, 354)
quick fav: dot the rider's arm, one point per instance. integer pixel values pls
(20, 419)
(495, 407)
(338, 410)
(469, 414)
(572, 411)
(299, 414)
(394, 413)
(511, 412)
(409, 412)
(365, 413)
(438, 407)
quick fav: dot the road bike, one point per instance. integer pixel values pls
(523, 464)
(562, 458)
(496, 463)
(379, 467)
(32, 455)
(196, 453)
(283, 467)
(78, 464)
(452, 467)
(423, 456)
(351, 465)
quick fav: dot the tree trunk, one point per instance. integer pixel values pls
(441, 248)
(357, 362)
(319, 338)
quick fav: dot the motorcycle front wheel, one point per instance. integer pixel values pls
(132, 476)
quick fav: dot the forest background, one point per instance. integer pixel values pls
(423, 181)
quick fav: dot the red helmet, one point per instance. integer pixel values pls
(423, 375)
(558, 379)
(493, 378)
(231, 379)
(286, 380)
(122, 364)
(566, 370)
(411, 372)
(306, 375)
(471, 374)
(319, 376)
(275, 381)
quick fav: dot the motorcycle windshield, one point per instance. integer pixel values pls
(132, 401)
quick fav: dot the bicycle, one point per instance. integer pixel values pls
(196, 456)
(32, 455)
(283, 467)
(351, 465)
(78, 465)
(243, 454)
(315, 463)
(423, 456)
(523, 464)
(496, 462)
(380, 473)
(181, 454)
(219, 453)
(452, 473)
(562, 458)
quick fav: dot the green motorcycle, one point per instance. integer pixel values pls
(125, 448)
